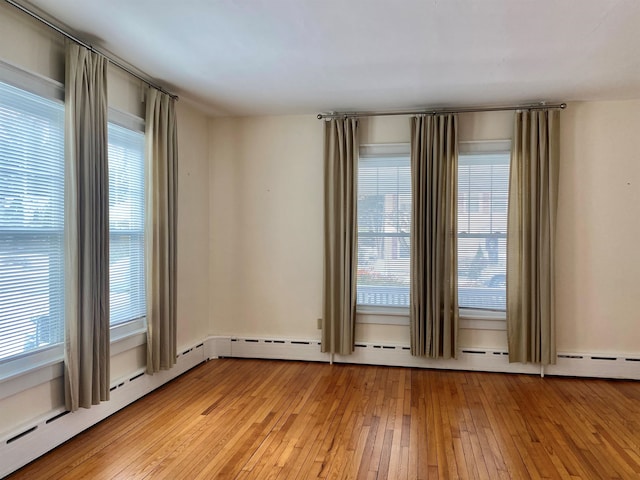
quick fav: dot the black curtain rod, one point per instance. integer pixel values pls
(90, 47)
(436, 111)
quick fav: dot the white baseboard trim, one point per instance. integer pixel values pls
(26, 443)
(473, 359)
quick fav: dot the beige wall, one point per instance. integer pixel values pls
(32, 47)
(599, 228)
(266, 225)
(193, 225)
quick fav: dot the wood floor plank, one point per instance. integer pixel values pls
(259, 419)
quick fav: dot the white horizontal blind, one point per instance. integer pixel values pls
(126, 224)
(483, 190)
(31, 222)
(384, 222)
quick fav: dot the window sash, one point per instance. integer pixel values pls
(483, 177)
(31, 221)
(384, 219)
(126, 224)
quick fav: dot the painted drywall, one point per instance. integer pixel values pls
(123, 364)
(124, 92)
(266, 225)
(22, 409)
(29, 45)
(193, 225)
(598, 255)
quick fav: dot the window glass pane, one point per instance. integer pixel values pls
(384, 221)
(126, 224)
(31, 222)
(483, 188)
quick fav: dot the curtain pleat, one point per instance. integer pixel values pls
(86, 356)
(340, 241)
(161, 177)
(434, 292)
(533, 199)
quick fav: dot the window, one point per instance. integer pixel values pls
(31, 222)
(126, 224)
(483, 188)
(384, 221)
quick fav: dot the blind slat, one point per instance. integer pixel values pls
(483, 190)
(31, 221)
(384, 222)
(126, 224)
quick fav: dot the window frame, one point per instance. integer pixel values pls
(30, 369)
(52, 90)
(469, 318)
(134, 326)
(383, 314)
(472, 318)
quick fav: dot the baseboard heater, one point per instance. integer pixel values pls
(474, 359)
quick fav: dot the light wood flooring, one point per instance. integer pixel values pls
(256, 419)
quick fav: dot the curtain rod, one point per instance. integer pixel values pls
(86, 45)
(436, 111)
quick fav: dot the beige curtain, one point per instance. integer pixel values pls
(340, 241)
(533, 199)
(87, 230)
(434, 293)
(161, 177)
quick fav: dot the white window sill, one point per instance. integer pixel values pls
(373, 314)
(33, 369)
(29, 362)
(469, 319)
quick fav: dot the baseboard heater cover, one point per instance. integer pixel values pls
(474, 359)
(277, 349)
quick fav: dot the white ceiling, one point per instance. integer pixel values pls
(248, 57)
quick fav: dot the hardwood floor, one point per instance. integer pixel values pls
(254, 419)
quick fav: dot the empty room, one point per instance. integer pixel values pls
(297, 239)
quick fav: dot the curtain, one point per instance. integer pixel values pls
(161, 178)
(340, 241)
(434, 292)
(533, 199)
(86, 357)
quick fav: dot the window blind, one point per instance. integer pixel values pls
(31, 222)
(384, 222)
(483, 189)
(126, 224)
